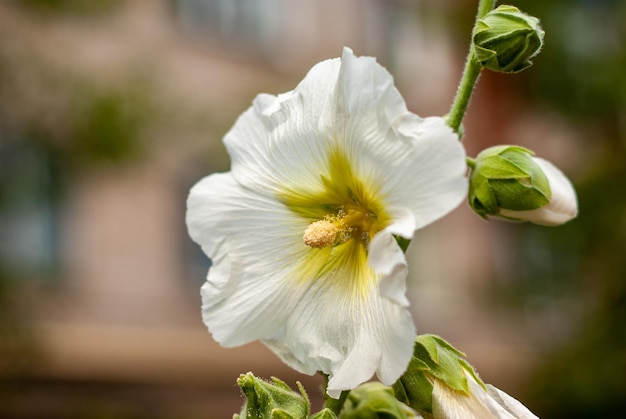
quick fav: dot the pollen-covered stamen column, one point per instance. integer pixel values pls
(352, 221)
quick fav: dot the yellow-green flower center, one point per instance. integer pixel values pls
(344, 211)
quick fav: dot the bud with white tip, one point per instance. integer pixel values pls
(563, 205)
(509, 182)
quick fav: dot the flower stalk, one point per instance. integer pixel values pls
(471, 72)
(334, 405)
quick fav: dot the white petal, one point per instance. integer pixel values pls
(349, 337)
(419, 162)
(512, 405)
(480, 403)
(495, 409)
(282, 141)
(450, 404)
(563, 205)
(388, 260)
(425, 168)
(366, 98)
(247, 294)
(311, 326)
(351, 105)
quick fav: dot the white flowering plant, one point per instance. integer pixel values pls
(307, 232)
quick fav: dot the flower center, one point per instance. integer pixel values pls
(351, 221)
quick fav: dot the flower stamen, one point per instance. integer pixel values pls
(320, 234)
(350, 221)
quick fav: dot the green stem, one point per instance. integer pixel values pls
(471, 162)
(464, 93)
(484, 7)
(334, 404)
(471, 72)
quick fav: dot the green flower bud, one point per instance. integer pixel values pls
(434, 360)
(506, 39)
(374, 400)
(454, 390)
(507, 177)
(272, 400)
(509, 182)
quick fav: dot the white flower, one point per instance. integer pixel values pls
(563, 205)
(301, 230)
(480, 403)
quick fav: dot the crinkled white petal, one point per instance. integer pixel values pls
(388, 259)
(350, 104)
(250, 294)
(250, 239)
(563, 205)
(349, 339)
(420, 163)
(282, 141)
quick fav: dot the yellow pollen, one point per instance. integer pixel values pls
(320, 234)
(350, 222)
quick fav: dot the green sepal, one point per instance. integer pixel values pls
(374, 400)
(281, 414)
(272, 400)
(442, 360)
(414, 388)
(507, 177)
(433, 359)
(403, 243)
(324, 414)
(505, 39)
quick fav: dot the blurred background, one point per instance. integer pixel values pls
(111, 109)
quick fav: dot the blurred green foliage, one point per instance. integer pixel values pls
(581, 71)
(73, 6)
(99, 125)
(590, 370)
(580, 75)
(106, 126)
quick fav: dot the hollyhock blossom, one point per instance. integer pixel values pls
(510, 182)
(302, 232)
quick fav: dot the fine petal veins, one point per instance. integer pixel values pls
(302, 230)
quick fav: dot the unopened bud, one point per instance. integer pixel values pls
(439, 383)
(506, 39)
(271, 400)
(509, 182)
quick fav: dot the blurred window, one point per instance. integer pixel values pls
(253, 24)
(28, 211)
